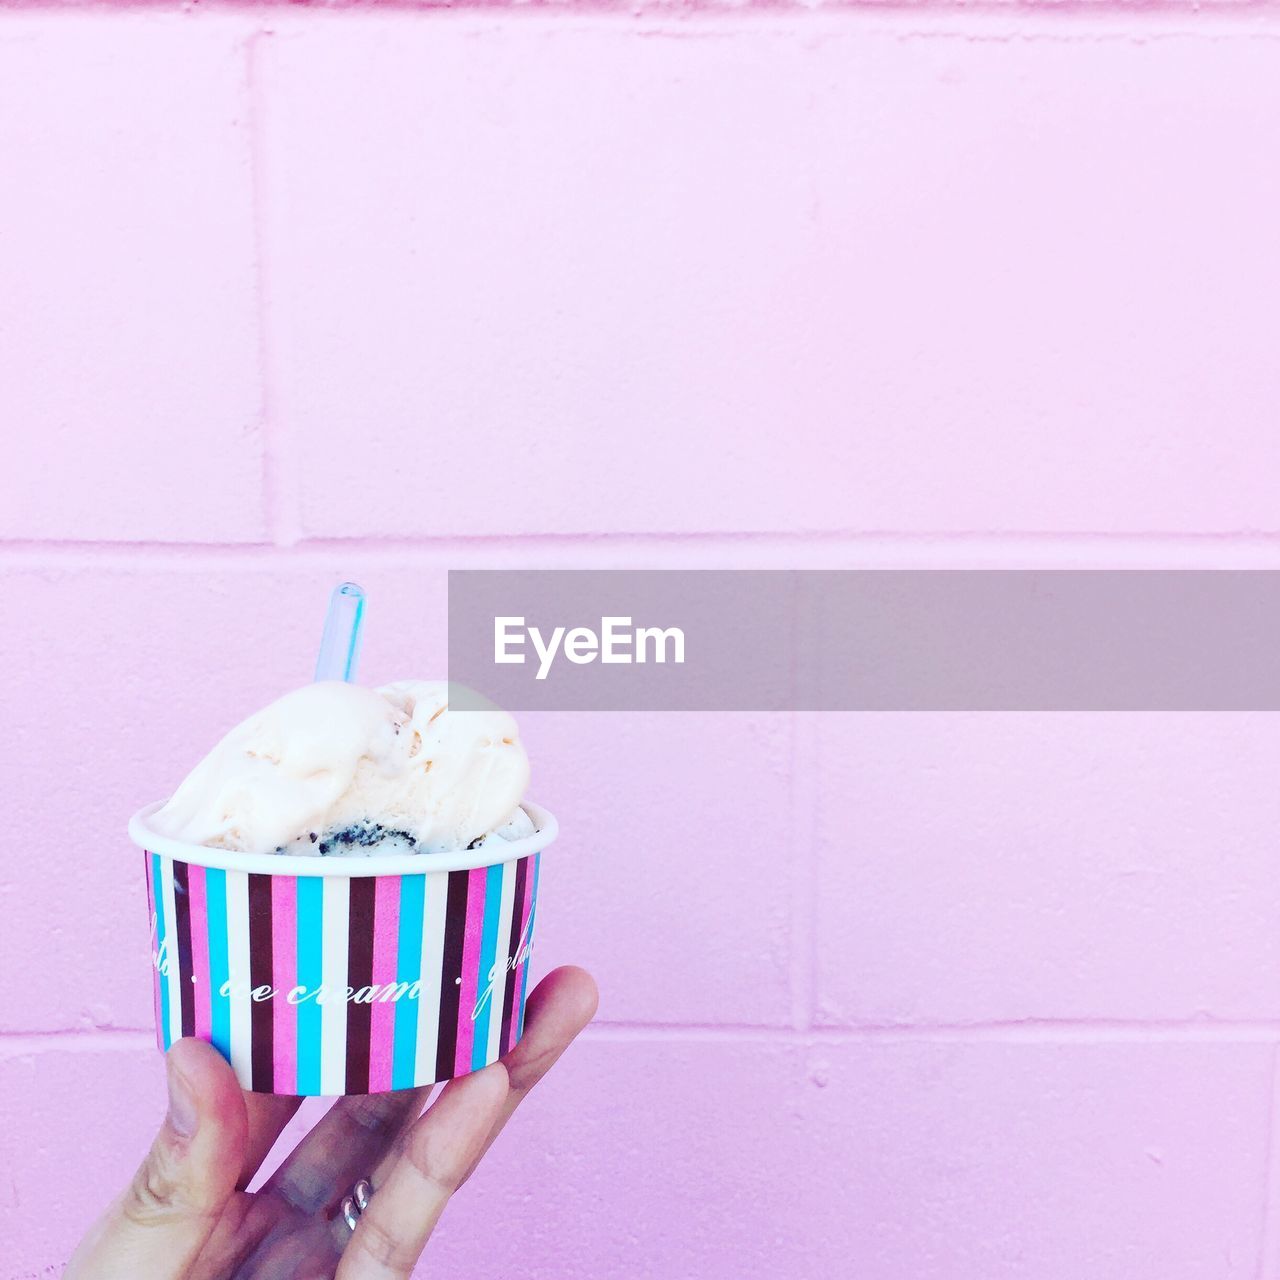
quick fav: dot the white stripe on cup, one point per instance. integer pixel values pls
(433, 905)
(174, 976)
(501, 954)
(333, 1012)
(241, 1006)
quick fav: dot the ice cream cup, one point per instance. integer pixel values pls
(343, 975)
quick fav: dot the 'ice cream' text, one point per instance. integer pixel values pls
(328, 993)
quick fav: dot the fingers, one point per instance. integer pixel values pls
(286, 1230)
(273, 1243)
(431, 1164)
(156, 1228)
(268, 1115)
(346, 1145)
(413, 1184)
(559, 1007)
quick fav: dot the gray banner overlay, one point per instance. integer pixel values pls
(861, 640)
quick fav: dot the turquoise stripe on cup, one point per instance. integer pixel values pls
(404, 1060)
(219, 973)
(488, 954)
(162, 948)
(310, 976)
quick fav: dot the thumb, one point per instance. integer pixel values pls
(161, 1222)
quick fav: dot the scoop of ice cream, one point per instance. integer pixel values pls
(331, 758)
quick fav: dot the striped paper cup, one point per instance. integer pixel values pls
(344, 975)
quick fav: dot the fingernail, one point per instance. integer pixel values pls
(183, 1116)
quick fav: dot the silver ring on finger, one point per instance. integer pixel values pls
(356, 1203)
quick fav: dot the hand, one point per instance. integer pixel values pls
(186, 1215)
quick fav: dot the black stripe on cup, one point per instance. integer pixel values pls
(261, 1025)
(517, 931)
(182, 909)
(455, 935)
(359, 977)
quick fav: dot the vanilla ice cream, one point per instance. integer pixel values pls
(335, 768)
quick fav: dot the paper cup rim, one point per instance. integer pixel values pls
(391, 864)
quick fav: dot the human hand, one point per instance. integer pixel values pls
(187, 1216)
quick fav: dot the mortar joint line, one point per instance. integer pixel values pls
(14, 1041)
(1268, 1258)
(278, 481)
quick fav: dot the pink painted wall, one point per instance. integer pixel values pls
(288, 294)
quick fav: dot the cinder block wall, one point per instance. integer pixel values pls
(288, 294)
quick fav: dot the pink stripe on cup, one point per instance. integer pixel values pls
(197, 895)
(284, 977)
(530, 874)
(472, 945)
(386, 942)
